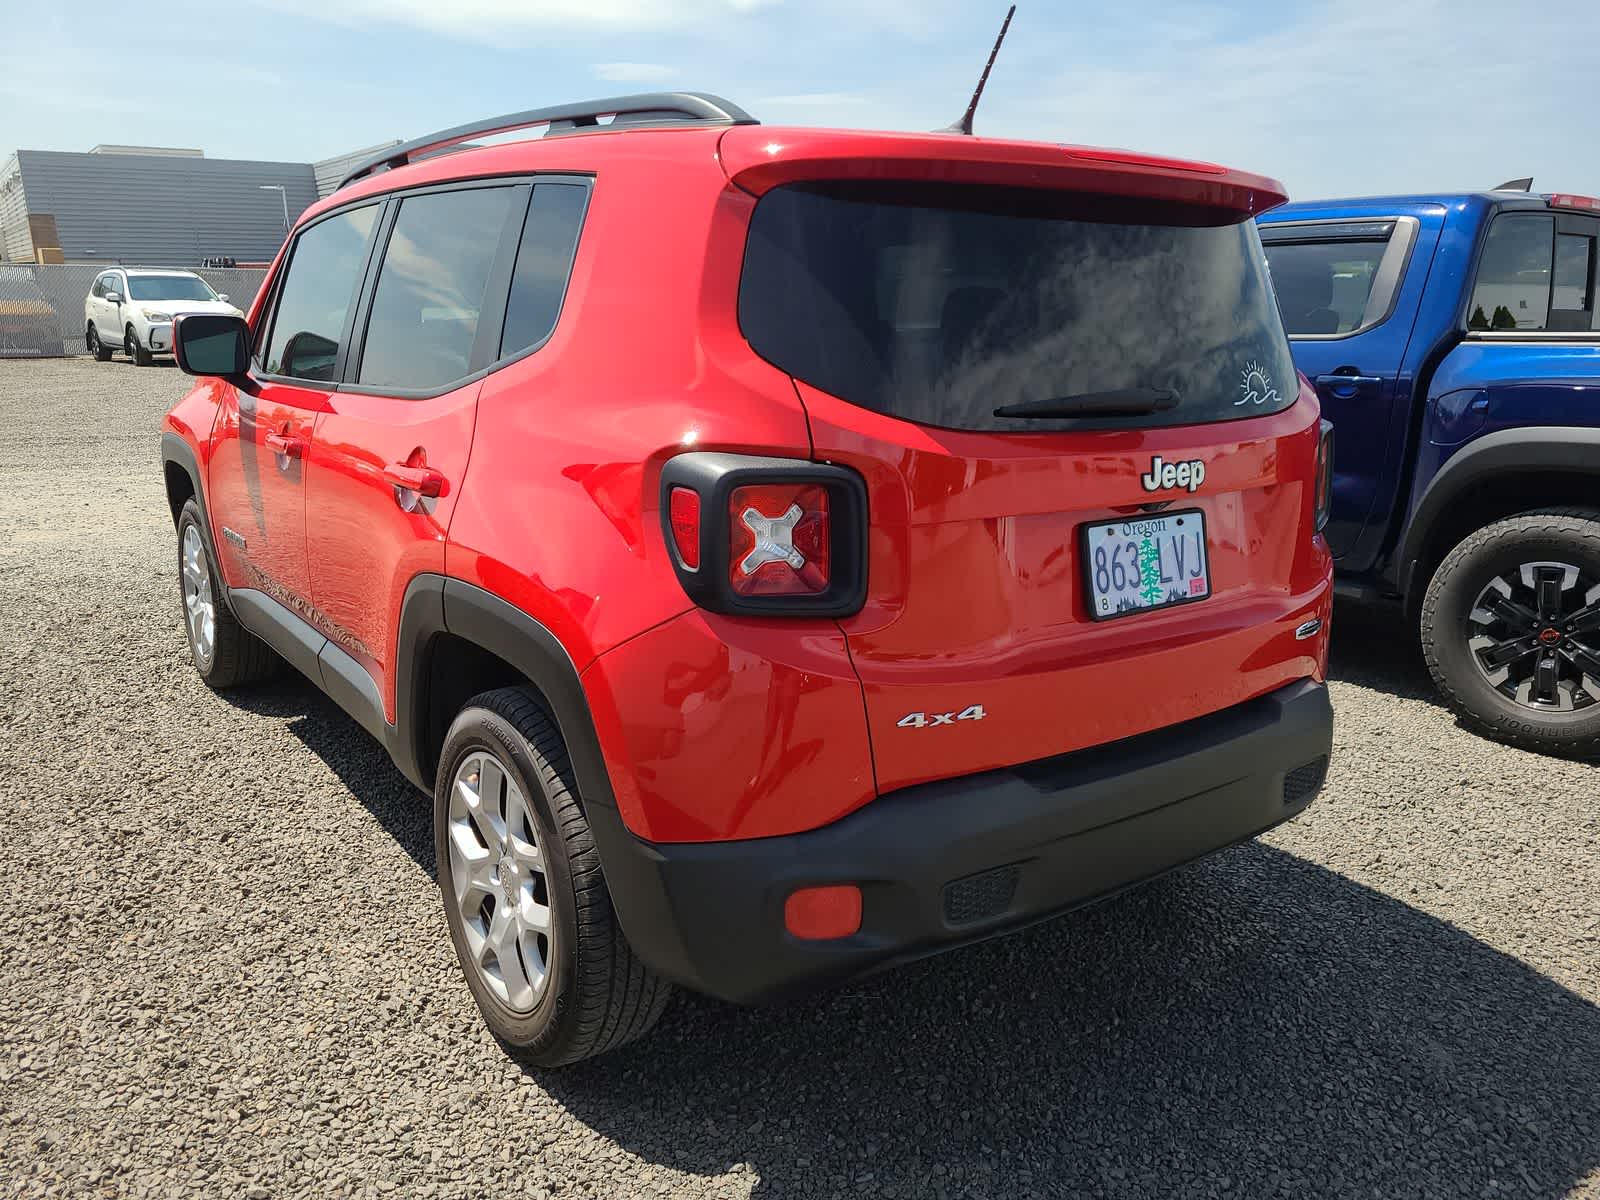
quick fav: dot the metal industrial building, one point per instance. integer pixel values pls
(147, 205)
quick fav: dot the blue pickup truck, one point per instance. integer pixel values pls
(1455, 342)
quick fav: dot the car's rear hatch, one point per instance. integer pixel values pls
(911, 294)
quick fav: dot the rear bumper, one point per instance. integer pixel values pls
(963, 859)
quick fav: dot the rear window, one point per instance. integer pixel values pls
(941, 305)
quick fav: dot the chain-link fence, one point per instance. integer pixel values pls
(41, 307)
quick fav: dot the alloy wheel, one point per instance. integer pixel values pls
(199, 608)
(499, 885)
(1534, 633)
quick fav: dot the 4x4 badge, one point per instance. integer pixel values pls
(1189, 474)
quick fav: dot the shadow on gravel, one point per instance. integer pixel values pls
(361, 764)
(1252, 1026)
(1377, 647)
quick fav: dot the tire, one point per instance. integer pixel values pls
(1516, 549)
(231, 656)
(136, 353)
(594, 994)
(101, 352)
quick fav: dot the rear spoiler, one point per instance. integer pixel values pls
(758, 159)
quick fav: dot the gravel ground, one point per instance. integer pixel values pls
(224, 970)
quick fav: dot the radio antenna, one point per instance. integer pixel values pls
(964, 125)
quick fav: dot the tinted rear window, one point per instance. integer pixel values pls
(941, 306)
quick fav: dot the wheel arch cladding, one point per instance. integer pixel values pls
(442, 616)
(457, 640)
(1492, 477)
(182, 471)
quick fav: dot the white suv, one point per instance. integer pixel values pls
(133, 308)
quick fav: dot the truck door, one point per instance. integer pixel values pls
(1348, 290)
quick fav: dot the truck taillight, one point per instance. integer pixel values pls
(1324, 484)
(766, 536)
(1568, 200)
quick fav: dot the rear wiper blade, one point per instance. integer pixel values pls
(1120, 402)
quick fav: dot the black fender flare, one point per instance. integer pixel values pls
(1565, 449)
(435, 604)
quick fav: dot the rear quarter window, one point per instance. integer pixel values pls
(940, 305)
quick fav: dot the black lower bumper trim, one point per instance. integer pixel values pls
(1016, 846)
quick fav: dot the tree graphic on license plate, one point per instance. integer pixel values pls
(1150, 590)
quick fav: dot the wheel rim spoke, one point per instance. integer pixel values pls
(1523, 631)
(498, 882)
(197, 601)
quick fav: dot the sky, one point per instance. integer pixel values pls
(1354, 97)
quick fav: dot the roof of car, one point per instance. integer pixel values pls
(1402, 204)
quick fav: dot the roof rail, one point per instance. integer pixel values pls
(647, 108)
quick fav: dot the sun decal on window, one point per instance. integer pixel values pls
(1255, 385)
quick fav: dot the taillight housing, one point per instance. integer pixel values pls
(766, 536)
(1324, 478)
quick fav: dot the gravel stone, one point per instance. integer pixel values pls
(224, 968)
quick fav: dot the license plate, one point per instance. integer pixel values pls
(1144, 563)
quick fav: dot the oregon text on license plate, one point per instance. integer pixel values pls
(1145, 563)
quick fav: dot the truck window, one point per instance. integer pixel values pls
(1323, 287)
(1572, 288)
(1513, 286)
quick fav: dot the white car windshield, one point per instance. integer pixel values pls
(168, 287)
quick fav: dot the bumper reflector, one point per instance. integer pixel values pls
(819, 913)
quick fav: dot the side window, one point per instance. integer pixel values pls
(431, 286)
(99, 288)
(1572, 287)
(544, 261)
(316, 295)
(1323, 287)
(1513, 285)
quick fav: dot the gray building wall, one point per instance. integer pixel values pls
(15, 244)
(161, 209)
(330, 172)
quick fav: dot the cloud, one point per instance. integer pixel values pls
(1334, 99)
(813, 100)
(633, 72)
(494, 20)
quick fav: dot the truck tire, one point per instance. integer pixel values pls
(225, 653)
(1511, 631)
(524, 895)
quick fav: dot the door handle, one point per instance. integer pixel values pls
(424, 481)
(1346, 385)
(285, 444)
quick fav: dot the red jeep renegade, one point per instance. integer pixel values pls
(783, 552)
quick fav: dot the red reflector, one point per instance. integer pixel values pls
(779, 539)
(817, 913)
(683, 512)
